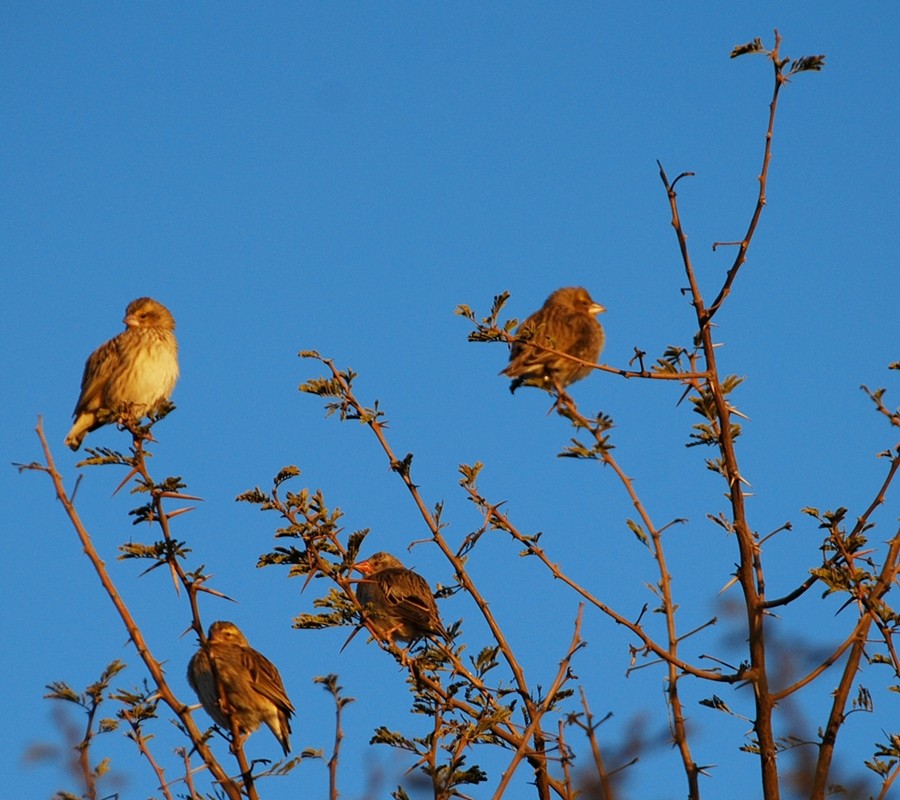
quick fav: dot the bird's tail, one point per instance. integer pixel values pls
(79, 430)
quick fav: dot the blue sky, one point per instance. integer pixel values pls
(340, 177)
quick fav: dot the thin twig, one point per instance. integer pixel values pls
(562, 675)
(539, 759)
(138, 737)
(590, 728)
(502, 522)
(134, 631)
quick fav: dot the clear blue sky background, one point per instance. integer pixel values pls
(340, 177)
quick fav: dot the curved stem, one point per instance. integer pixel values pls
(750, 571)
(134, 632)
(562, 675)
(761, 197)
(539, 758)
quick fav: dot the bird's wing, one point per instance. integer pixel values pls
(409, 596)
(193, 673)
(97, 372)
(550, 327)
(566, 331)
(201, 680)
(266, 679)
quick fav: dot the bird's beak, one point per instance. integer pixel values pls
(596, 308)
(131, 321)
(363, 566)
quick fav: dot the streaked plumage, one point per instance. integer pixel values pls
(132, 374)
(233, 679)
(566, 322)
(397, 601)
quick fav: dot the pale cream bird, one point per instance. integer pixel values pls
(131, 375)
(235, 681)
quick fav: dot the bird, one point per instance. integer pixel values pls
(397, 601)
(131, 375)
(566, 323)
(232, 680)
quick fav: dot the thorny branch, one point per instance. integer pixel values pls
(350, 408)
(181, 710)
(562, 676)
(528, 740)
(709, 393)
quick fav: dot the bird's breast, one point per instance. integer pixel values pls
(150, 369)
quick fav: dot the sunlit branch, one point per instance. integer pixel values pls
(402, 469)
(501, 521)
(562, 675)
(744, 244)
(134, 632)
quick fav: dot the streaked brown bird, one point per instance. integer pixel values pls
(397, 601)
(234, 680)
(566, 322)
(131, 375)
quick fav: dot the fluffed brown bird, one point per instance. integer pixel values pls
(566, 322)
(234, 680)
(397, 601)
(131, 375)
